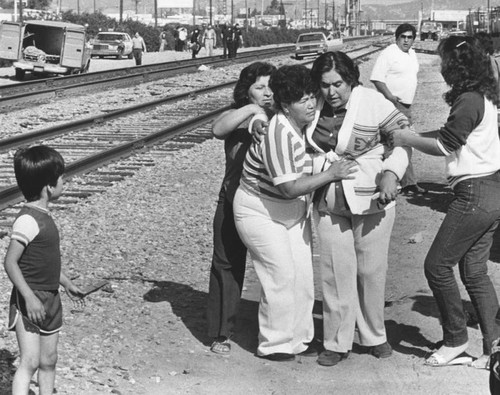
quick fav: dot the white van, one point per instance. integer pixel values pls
(44, 47)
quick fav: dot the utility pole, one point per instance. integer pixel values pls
(305, 15)
(156, 13)
(121, 10)
(194, 17)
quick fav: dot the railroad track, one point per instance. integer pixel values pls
(170, 124)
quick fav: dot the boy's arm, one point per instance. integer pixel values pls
(35, 309)
(71, 289)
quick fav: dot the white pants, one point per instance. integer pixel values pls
(209, 46)
(278, 238)
(353, 255)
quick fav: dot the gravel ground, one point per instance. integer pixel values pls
(150, 237)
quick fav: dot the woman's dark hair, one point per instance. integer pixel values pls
(290, 83)
(406, 27)
(466, 67)
(339, 62)
(35, 168)
(486, 42)
(248, 76)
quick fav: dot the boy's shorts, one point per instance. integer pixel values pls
(51, 301)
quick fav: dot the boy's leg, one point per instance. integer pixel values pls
(29, 349)
(48, 360)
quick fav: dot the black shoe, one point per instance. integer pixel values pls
(279, 357)
(383, 350)
(311, 351)
(331, 358)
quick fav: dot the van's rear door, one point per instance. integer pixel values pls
(73, 47)
(10, 40)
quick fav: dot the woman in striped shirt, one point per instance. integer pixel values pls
(470, 143)
(270, 210)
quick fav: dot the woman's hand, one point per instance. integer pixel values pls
(388, 188)
(259, 130)
(342, 169)
(398, 137)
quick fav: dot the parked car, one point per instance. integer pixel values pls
(312, 44)
(44, 47)
(112, 44)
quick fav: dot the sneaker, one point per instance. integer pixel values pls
(383, 350)
(278, 357)
(331, 358)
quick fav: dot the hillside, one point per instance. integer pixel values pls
(385, 9)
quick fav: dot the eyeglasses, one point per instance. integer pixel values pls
(404, 36)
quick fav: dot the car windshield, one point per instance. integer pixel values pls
(110, 37)
(310, 37)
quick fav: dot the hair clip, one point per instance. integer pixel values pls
(462, 43)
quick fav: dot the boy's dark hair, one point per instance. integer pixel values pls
(35, 168)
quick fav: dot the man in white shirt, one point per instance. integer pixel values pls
(395, 76)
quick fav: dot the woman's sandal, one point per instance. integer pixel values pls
(221, 346)
(438, 360)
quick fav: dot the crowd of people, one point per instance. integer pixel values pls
(308, 147)
(333, 154)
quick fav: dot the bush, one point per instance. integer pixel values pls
(99, 22)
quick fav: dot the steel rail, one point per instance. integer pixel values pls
(12, 195)
(37, 135)
(49, 87)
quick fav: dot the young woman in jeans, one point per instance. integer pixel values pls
(470, 143)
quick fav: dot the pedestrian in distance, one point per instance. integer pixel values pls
(209, 37)
(138, 47)
(395, 76)
(251, 95)
(195, 42)
(33, 264)
(469, 143)
(271, 207)
(354, 217)
(236, 41)
(163, 40)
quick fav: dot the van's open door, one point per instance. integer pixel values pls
(10, 40)
(74, 45)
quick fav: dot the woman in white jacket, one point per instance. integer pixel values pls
(354, 217)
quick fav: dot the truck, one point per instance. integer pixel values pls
(45, 47)
(430, 29)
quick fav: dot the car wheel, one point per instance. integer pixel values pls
(130, 55)
(101, 57)
(298, 57)
(20, 74)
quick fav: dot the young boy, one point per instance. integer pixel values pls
(33, 264)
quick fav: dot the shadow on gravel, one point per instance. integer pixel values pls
(187, 303)
(426, 305)
(437, 198)
(7, 371)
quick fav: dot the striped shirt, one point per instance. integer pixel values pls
(281, 157)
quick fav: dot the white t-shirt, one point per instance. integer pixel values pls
(398, 70)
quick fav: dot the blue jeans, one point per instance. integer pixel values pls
(465, 237)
